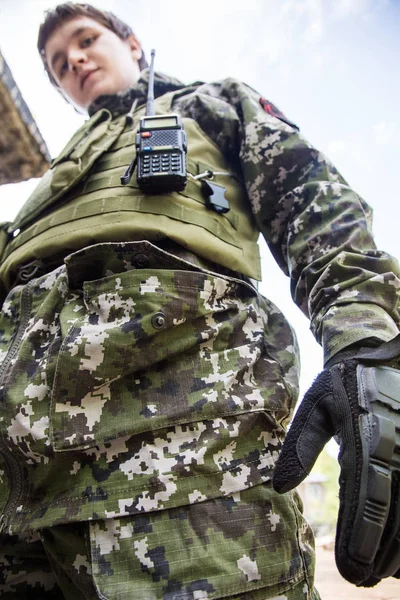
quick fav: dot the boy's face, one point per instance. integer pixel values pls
(87, 60)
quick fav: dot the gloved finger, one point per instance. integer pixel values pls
(310, 430)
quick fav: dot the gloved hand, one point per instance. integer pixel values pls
(357, 400)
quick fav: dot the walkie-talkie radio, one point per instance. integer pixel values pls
(160, 148)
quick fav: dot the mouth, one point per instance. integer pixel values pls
(86, 77)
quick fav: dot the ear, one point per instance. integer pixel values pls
(135, 47)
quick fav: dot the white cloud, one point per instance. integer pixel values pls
(336, 146)
(318, 14)
(346, 148)
(365, 9)
(309, 10)
(315, 29)
(384, 132)
(345, 8)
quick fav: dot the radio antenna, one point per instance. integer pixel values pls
(150, 109)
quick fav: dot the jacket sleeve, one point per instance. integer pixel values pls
(318, 229)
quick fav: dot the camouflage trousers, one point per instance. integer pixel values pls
(143, 404)
(88, 561)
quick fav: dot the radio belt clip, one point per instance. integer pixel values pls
(215, 197)
(126, 177)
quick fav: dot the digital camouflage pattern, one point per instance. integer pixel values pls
(140, 383)
(318, 229)
(166, 386)
(139, 389)
(195, 552)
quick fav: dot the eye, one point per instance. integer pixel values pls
(87, 41)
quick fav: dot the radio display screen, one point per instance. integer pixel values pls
(159, 123)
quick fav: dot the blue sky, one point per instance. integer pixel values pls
(329, 65)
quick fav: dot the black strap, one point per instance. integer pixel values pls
(385, 351)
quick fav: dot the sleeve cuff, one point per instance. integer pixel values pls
(349, 324)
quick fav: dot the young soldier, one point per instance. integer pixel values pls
(146, 385)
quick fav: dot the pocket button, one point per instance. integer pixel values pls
(158, 320)
(141, 260)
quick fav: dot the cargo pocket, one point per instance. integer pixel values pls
(249, 543)
(118, 335)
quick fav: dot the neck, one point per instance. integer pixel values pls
(121, 102)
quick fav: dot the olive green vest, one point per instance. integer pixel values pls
(80, 201)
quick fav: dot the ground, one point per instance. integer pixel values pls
(332, 586)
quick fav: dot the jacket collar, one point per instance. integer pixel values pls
(119, 104)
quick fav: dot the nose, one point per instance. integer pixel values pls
(76, 58)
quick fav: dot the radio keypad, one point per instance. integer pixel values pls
(154, 163)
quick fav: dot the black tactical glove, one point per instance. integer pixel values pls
(357, 400)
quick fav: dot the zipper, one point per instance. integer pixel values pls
(13, 467)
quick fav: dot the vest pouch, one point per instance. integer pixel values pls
(71, 166)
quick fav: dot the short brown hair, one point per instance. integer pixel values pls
(69, 10)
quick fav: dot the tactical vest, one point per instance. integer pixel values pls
(80, 201)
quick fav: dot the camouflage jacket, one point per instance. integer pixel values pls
(161, 392)
(318, 229)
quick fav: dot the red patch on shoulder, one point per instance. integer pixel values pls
(272, 110)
